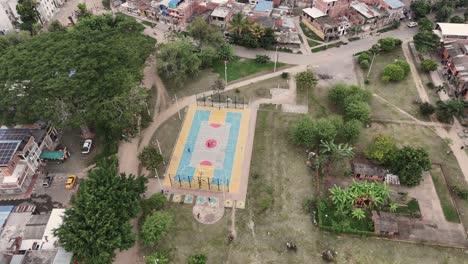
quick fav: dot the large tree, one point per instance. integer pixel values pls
(409, 163)
(205, 33)
(154, 228)
(86, 75)
(239, 25)
(420, 8)
(426, 41)
(443, 14)
(27, 10)
(178, 61)
(98, 222)
(306, 80)
(447, 110)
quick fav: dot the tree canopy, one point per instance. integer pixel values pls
(381, 149)
(429, 65)
(154, 227)
(409, 163)
(306, 80)
(447, 110)
(420, 8)
(27, 10)
(89, 74)
(426, 41)
(204, 33)
(150, 158)
(99, 221)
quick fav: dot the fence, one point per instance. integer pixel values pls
(221, 101)
(199, 182)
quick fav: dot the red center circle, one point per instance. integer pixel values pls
(211, 143)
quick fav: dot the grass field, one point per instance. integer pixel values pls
(442, 190)
(199, 84)
(279, 185)
(242, 68)
(402, 93)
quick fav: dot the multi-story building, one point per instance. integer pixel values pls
(46, 9)
(330, 19)
(20, 149)
(8, 15)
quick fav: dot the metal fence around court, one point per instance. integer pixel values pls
(222, 101)
(199, 182)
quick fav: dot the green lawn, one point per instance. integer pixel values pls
(402, 93)
(242, 68)
(313, 43)
(442, 190)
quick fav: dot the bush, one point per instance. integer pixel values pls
(197, 259)
(426, 109)
(364, 64)
(394, 72)
(338, 93)
(358, 110)
(409, 163)
(285, 75)
(364, 56)
(385, 79)
(150, 158)
(158, 257)
(457, 19)
(404, 65)
(262, 59)
(460, 192)
(155, 202)
(381, 149)
(430, 85)
(429, 65)
(154, 227)
(351, 130)
(387, 44)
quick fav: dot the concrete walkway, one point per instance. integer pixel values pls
(460, 154)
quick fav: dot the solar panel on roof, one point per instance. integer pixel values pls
(14, 134)
(7, 150)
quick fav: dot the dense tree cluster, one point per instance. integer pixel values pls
(86, 75)
(352, 101)
(396, 71)
(99, 222)
(306, 80)
(251, 35)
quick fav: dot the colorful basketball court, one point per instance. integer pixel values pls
(209, 153)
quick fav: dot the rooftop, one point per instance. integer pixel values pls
(8, 149)
(365, 10)
(394, 4)
(4, 212)
(264, 6)
(453, 29)
(220, 11)
(313, 12)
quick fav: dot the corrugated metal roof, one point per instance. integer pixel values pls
(263, 6)
(394, 4)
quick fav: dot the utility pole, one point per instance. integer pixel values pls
(225, 73)
(276, 58)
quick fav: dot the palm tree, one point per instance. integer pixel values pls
(393, 207)
(358, 213)
(257, 30)
(238, 24)
(335, 152)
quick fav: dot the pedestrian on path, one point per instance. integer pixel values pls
(188, 150)
(198, 215)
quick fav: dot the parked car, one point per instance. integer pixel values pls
(412, 24)
(47, 182)
(87, 146)
(71, 181)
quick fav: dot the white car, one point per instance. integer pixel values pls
(412, 24)
(87, 146)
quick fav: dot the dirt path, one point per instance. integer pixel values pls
(460, 154)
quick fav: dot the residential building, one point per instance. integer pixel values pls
(20, 149)
(450, 32)
(263, 8)
(9, 17)
(221, 16)
(455, 61)
(46, 9)
(28, 237)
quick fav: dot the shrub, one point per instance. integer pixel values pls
(457, 19)
(429, 65)
(358, 110)
(262, 59)
(426, 109)
(385, 79)
(150, 158)
(364, 64)
(338, 93)
(285, 75)
(351, 130)
(381, 149)
(157, 257)
(430, 85)
(404, 65)
(409, 163)
(394, 72)
(364, 56)
(154, 227)
(460, 192)
(387, 44)
(197, 259)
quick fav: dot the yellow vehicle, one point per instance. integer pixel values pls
(70, 182)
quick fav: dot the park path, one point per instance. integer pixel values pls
(457, 143)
